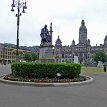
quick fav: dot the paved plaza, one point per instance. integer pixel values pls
(89, 95)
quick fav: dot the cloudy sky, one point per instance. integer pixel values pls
(66, 16)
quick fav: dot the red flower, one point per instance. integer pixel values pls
(26, 77)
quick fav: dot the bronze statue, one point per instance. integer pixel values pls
(45, 36)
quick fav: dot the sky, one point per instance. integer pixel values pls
(65, 15)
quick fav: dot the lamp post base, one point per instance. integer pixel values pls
(17, 58)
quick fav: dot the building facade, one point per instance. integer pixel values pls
(83, 49)
(8, 53)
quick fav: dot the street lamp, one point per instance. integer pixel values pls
(19, 4)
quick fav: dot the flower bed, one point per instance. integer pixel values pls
(44, 80)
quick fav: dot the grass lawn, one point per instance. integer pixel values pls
(91, 69)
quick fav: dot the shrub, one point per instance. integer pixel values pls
(43, 70)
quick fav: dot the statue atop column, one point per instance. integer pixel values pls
(45, 35)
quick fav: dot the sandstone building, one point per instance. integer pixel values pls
(8, 53)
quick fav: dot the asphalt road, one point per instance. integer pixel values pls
(89, 95)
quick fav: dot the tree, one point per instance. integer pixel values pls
(21, 52)
(31, 56)
(34, 56)
(99, 56)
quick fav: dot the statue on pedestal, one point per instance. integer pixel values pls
(46, 53)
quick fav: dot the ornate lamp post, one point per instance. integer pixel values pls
(19, 4)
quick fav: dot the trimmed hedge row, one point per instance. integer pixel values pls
(43, 70)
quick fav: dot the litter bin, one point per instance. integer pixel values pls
(105, 67)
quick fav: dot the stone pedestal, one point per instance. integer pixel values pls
(46, 53)
(76, 59)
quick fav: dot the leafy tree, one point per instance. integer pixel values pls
(27, 57)
(34, 56)
(68, 61)
(20, 52)
(31, 56)
(99, 56)
(85, 63)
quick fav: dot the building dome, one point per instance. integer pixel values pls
(82, 23)
(58, 42)
(73, 43)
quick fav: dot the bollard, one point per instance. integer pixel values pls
(105, 67)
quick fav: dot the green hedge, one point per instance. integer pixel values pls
(43, 70)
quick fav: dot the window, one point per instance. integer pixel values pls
(63, 55)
